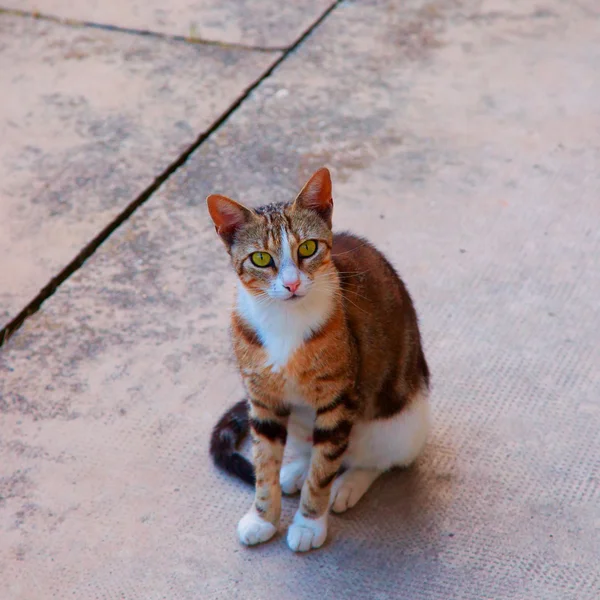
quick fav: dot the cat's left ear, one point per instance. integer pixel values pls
(228, 216)
(316, 195)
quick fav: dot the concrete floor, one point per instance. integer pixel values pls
(464, 140)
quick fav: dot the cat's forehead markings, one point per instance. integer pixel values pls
(271, 239)
(270, 209)
(287, 220)
(277, 219)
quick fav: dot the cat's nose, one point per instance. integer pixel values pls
(292, 286)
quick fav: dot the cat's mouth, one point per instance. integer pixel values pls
(295, 297)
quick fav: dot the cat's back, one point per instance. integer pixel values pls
(364, 269)
(378, 306)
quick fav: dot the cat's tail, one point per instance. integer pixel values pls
(226, 436)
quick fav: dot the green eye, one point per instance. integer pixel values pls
(261, 259)
(307, 248)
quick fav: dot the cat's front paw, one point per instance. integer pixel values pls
(305, 534)
(293, 475)
(253, 529)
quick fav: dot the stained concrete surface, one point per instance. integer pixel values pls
(87, 119)
(463, 140)
(261, 23)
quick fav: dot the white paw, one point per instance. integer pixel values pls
(253, 529)
(292, 475)
(350, 487)
(305, 533)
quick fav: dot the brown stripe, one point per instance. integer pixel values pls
(342, 400)
(279, 411)
(288, 222)
(329, 377)
(350, 403)
(337, 452)
(272, 430)
(423, 368)
(325, 481)
(282, 411)
(260, 404)
(337, 435)
(246, 332)
(309, 512)
(339, 401)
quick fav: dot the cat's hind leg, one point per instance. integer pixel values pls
(350, 487)
(378, 445)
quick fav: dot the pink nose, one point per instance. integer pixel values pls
(292, 286)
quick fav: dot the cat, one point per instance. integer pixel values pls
(329, 350)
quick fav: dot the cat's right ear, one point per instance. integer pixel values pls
(316, 195)
(227, 215)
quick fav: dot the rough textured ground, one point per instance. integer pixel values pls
(88, 118)
(464, 140)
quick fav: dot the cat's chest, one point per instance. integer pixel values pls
(292, 347)
(287, 382)
(282, 330)
(294, 394)
(281, 342)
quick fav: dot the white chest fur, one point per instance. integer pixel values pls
(284, 325)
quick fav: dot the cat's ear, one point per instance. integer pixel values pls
(227, 215)
(316, 195)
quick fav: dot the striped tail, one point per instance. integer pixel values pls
(227, 434)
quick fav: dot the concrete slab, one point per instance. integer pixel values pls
(88, 118)
(465, 145)
(260, 23)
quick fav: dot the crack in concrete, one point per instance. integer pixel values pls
(489, 17)
(141, 32)
(90, 248)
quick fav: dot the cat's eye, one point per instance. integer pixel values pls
(307, 248)
(261, 259)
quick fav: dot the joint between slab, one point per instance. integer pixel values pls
(90, 248)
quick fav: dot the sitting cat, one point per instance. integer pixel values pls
(328, 346)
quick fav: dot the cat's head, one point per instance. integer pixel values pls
(281, 252)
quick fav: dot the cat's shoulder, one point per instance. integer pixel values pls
(346, 241)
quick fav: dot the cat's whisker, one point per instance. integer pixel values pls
(351, 250)
(264, 299)
(353, 273)
(346, 291)
(334, 285)
(338, 293)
